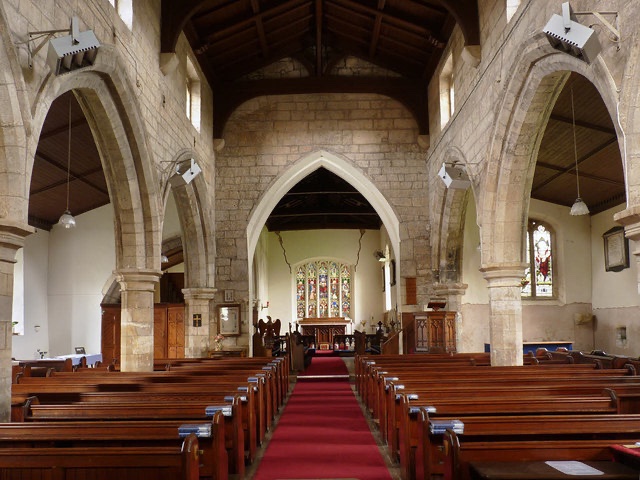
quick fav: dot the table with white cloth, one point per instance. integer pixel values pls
(77, 357)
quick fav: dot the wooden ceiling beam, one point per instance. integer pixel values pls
(467, 16)
(572, 171)
(410, 93)
(174, 17)
(421, 36)
(394, 53)
(255, 7)
(292, 5)
(72, 174)
(370, 13)
(566, 170)
(583, 124)
(319, 16)
(377, 26)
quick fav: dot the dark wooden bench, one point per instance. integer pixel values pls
(460, 452)
(65, 388)
(123, 463)
(403, 430)
(558, 470)
(382, 403)
(240, 429)
(149, 434)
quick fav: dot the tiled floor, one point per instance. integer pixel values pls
(394, 468)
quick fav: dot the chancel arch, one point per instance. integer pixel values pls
(342, 168)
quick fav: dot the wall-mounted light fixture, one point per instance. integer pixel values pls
(379, 254)
(454, 176)
(569, 36)
(185, 173)
(68, 53)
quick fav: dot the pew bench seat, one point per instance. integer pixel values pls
(540, 470)
(123, 463)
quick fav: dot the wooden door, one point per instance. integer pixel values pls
(110, 342)
(175, 331)
(168, 332)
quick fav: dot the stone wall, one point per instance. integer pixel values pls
(269, 135)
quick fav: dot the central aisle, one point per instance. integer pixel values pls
(322, 433)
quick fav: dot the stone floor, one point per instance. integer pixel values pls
(394, 468)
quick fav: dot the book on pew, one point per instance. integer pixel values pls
(201, 430)
(438, 427)
(212, 409)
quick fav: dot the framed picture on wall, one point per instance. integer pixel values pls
(229, 320)
(616, 250)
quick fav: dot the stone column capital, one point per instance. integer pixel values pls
(444, 289)
(504, 274)
(12, 235)
(630, 219)
(140, 280)
(199, 293)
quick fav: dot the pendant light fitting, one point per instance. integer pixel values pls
(66, 219)
(578, 207)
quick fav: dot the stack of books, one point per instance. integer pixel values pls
(212, 409)
(438, 427)
(202, 430)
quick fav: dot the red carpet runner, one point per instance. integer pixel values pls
(322, 433)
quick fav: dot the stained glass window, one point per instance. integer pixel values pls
(323, 289)
(538, 279)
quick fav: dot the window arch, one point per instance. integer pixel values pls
(323, 289)
(511, 7)
(447, 92)
(538, 281)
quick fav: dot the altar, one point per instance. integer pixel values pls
(324, 329)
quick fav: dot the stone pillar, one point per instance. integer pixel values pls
(630, 218)
(505, 313)
(197, 334)
(12, 235)
(137, 289)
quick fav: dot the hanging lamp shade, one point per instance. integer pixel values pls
(67, 220)
(579, 208)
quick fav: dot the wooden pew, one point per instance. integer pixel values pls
(123, 463)
(408, 423)
(57, 388)
(70, 405)
(403, 436)
(185, 412)
(572, 441)
(382, 403)
(148, 434)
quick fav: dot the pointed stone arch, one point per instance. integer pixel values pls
(195, 208)
(112, 110)
(340, 167)
(537, 77)
(449, 222)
